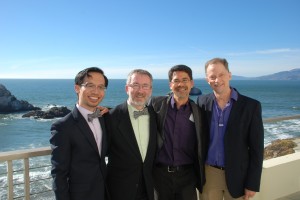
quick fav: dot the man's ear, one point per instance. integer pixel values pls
(77, 88)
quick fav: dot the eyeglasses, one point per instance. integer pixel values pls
(184, 81)
(92, 87)
(138, 86)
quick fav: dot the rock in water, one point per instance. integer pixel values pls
(9, 103)
(49, 114)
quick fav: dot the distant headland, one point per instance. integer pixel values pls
(292, 75)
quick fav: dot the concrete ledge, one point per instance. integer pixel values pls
(280, 177)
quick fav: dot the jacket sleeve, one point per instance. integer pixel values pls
(256, 148)
(60, 160)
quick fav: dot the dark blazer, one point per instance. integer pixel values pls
(160, 106)
(243, 143)
(125, 165)
(78, 171)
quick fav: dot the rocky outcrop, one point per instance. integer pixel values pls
(9, 103)
(53, 112)
(279, 148)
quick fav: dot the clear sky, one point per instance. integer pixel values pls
(58, 38)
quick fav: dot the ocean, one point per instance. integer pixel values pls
(278, 99)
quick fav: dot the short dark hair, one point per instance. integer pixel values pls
(182, 68)
(86, 73)
(223, 61)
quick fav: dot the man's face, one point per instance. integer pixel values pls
(181, 85)
(139, 90)
(91, 93)
(218, 77)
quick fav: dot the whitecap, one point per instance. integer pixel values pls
(49, 106)
(281, 130)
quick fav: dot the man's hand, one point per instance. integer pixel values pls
(248, 194)
(103, 109)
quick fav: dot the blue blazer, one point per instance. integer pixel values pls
(78, 171)
(243, 143)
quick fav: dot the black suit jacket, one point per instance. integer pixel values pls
(125, 165)
(78, 171)
(160, 105)
(243, 143)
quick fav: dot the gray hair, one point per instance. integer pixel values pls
(138, 71)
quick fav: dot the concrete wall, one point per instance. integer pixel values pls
(280, 177)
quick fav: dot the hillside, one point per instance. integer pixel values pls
(293, 74)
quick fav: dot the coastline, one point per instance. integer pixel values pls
(276, 119)
(297, 141)
(281, 147)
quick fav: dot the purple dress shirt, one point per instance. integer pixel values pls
(179, 146)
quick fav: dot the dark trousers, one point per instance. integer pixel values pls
(177, 185)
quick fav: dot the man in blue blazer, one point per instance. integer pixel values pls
(79, 143)
(235, 138)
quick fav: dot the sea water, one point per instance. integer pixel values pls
(278, 98)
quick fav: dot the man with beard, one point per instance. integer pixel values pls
(132, 141)
(179, 167)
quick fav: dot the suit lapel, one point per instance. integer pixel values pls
(152, 133)
(164, 108)
(84, 128)
(235, 112)
(210, 101)
(104, 137)
(196, 119)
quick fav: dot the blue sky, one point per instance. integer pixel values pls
(57, 38)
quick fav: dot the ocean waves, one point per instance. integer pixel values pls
(281, 130)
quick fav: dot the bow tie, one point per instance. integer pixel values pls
(136, 114)
(95, 114)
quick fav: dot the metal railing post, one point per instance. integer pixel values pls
(10, 184)
(26, 179)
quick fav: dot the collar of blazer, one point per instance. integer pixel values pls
(84, 128)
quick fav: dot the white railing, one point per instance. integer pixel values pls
(27, 174)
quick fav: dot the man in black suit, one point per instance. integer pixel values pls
(132, 142)
(235, 138)
(79, 143)
(179, 166)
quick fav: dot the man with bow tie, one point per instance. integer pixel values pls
(132, 141)
(179, 167)
(79, 143)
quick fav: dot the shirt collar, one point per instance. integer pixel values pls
(84, 112)
(233, 95)
(173, 103)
